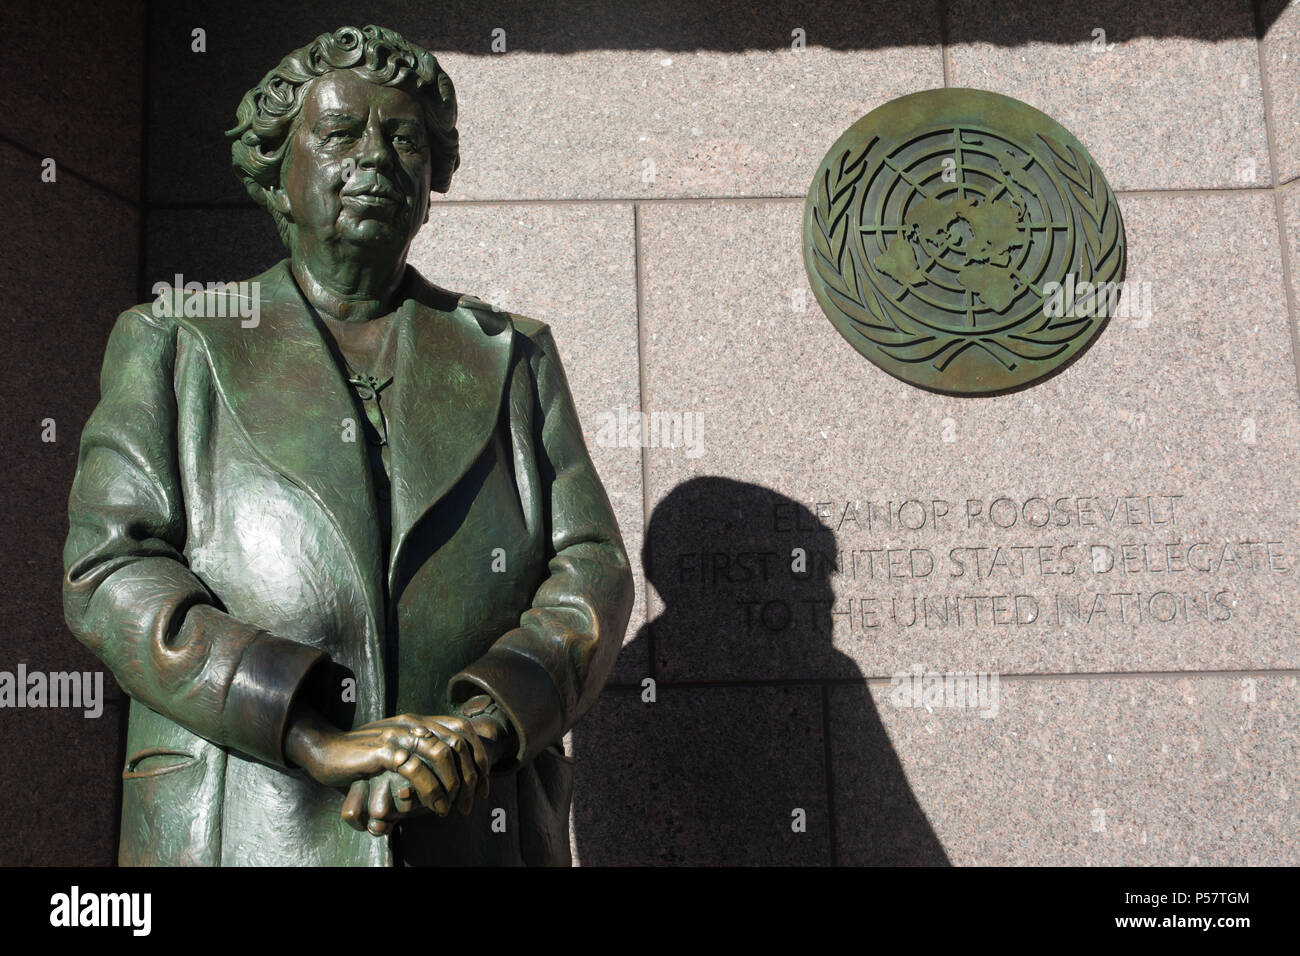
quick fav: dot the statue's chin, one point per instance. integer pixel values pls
(371, 233)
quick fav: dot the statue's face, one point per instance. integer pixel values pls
(358, 169)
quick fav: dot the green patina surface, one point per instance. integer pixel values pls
(940, 230)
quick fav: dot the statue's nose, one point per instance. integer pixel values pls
(374, 151)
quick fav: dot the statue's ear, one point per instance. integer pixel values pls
(279, 201)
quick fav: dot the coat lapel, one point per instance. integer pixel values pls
(448, 385)
(285, 389)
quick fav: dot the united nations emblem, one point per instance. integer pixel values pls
(963, 241)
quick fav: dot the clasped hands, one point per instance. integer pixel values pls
(399, 767)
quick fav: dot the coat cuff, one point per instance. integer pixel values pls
(524, 690)
(262, 693)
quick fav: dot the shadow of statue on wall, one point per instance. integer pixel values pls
(756, 742)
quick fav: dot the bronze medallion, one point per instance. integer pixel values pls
(963, 241)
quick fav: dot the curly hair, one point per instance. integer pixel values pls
(267, 112)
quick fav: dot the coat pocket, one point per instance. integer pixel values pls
(172, 794)
(157, 761)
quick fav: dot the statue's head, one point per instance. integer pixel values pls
(343, 141)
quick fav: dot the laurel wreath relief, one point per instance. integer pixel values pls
(838, 264)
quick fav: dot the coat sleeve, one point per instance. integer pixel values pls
(128, 592)
(548, 671)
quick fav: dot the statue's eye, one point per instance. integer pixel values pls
(338, 134)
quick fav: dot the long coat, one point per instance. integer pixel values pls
(224, 561)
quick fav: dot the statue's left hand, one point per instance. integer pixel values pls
(381, 801)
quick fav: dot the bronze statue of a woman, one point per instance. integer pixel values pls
(341, 540)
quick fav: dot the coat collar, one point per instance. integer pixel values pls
(281, 382)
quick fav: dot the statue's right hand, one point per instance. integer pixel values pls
(338, 758)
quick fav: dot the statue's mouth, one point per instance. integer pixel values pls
(371, 191)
